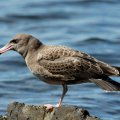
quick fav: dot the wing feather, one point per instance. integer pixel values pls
(72, 67)
(69, 62)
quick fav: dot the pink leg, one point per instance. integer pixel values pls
(49, 106)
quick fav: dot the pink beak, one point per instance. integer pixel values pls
(6, 48)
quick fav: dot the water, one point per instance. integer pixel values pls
(92, 26)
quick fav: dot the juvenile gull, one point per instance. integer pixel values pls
(61, 65)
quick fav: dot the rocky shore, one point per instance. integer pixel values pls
(21, 111)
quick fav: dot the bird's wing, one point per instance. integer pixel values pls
(71, 67)
(60, 56)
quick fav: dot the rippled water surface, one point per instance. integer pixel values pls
(92, 26)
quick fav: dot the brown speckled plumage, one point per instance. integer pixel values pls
(63, 65)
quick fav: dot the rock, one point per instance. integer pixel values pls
(20, 111)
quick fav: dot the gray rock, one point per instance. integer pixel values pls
(20, 111)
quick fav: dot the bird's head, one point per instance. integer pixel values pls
(22, 43)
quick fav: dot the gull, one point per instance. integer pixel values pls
(61, 65)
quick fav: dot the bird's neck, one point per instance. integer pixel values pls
(25, 53)
(32, 53)
(29, 51)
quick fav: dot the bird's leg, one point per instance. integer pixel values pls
(65, 89)
(49, 106)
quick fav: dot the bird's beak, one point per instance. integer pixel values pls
(6, 48)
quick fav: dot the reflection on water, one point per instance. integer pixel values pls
(86, 25)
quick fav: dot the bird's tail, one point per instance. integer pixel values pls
(107, 84)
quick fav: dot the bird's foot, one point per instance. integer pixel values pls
(49, 107)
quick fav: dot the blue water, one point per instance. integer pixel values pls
(92, 26)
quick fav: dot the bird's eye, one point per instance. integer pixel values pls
(14, 41)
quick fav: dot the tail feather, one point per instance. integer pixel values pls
(107, 84)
